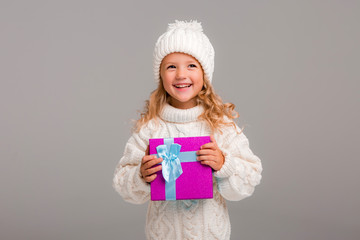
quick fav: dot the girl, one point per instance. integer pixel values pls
(184, 105)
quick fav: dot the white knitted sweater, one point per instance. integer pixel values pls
(189, 219)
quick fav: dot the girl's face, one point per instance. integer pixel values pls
(183, 79)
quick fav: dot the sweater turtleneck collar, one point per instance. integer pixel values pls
(177, 115)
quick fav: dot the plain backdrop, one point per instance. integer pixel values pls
(74, 74)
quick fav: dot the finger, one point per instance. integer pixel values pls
(212, 139)
(210, 164)
(206, 152)
(208, 145)
(152, 170)
(147, 158)
(206, 158)
(145, 169)
(147, 150)
(151, 163)
(151, 178)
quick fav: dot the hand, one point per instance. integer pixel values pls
(210, 154)
(147, 169)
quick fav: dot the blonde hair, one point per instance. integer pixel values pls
(215, 111)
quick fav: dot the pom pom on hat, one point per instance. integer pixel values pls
(185, 37)
(194, 25)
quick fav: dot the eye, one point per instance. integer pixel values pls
(192, 66)
(171, 66)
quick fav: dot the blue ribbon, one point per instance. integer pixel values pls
(171, 164)
(171, 167)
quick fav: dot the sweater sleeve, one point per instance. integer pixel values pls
(127, 179)
(242, 169)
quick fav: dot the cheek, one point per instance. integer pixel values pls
(166, 76)
(166, 81)
(200, 81)
(167, 85)
(199, 87)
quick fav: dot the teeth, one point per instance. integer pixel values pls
(182, 86)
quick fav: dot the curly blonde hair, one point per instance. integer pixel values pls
(215, 112)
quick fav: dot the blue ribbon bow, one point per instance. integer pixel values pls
(171, 167)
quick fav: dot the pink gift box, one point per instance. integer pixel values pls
(196, 180)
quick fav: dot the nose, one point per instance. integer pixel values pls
(180, 73)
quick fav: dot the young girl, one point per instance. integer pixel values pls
(184, 105)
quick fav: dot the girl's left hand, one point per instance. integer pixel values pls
(211, 155)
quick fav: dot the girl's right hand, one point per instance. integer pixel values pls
(147, 169)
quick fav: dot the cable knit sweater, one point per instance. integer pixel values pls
(189, 219)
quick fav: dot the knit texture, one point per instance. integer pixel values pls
(189, 219)
(185, 37)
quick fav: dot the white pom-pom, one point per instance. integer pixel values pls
(193, 25)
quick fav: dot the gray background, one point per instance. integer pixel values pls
(74, 74)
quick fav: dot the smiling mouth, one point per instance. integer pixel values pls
(182, 85)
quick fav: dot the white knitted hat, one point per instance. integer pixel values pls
(185, 37)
